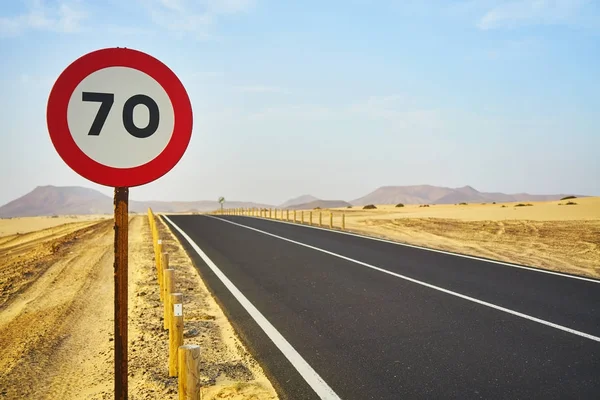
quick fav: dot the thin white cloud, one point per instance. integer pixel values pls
(64, 16)
(533, 12)
(398, 111)
(193, 17)
(261, 89)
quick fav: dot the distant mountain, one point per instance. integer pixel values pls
(53, 200)
(420, 194)
(67, 200)
(321, 204)
(427, 194)
(49, 200)
(307, 198)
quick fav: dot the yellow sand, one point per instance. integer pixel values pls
(11, 226)
(546, 235)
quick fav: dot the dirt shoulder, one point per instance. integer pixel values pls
(227, 370)
(56, 330)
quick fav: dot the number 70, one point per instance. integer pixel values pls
(106, 101)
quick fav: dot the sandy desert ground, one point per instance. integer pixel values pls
(56, 326)
(545, 234)
(12, 226)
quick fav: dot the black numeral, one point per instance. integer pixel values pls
(107, 100)
(152, 121)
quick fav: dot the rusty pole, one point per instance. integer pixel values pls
(121, 249)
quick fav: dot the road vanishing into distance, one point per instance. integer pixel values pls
(332, 315)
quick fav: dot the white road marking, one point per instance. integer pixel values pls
(450, 292)
(308, 373)
(543, 271)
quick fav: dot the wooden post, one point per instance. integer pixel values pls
(161, 278)
(302, 217)
(175, 331)
(269, 213)
(294, 216)
(343, 221)
(287, 215)
(330, 220)
(169, 287)
(310, 218)
(157, 256)
(121, 204)
(320, 218)
(188, 362)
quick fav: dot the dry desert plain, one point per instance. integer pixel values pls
(550, 235)
(56, 291)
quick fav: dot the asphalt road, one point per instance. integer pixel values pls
(354, 318)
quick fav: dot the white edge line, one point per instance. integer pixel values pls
(306, 371)
(543, 271)
(462, 296)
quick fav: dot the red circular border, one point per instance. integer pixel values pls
(56, 118)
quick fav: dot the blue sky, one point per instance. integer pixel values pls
(330, 98)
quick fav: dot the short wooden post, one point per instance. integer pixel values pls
(157, 258)
(175, 331)
(161, 259)
(269, 213)
(302, 217)
(310, 218)
(320, 218)
(294, 216)
(330, 220)
(188, 362)
(287, 215)
(169, 287)
(343, 221)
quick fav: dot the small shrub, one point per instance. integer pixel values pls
(523, 205)
(317, 208)
(462, 204)
(399, 205)
(424, 205)
(494, 202)
(503, 206)
(54, 216)
(570, 203)
(569, 197)
(369, 207)
(348, 206)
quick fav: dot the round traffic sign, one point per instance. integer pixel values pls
(119, 117)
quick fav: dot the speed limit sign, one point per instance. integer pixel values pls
(119, 117)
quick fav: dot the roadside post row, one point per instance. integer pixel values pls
(183, 359)
(281, 216)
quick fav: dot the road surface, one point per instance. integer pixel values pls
(338, 316)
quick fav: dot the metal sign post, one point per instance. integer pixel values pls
(221, 201)
(121, 271)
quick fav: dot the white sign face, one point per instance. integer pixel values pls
(177, 310)
(120, 117)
